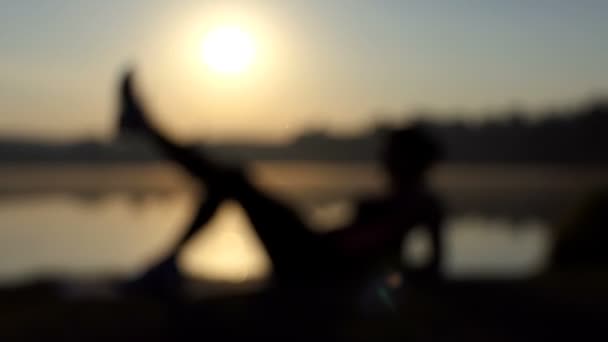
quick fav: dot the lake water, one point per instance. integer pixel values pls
(87, 220)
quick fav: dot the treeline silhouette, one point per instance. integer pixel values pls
(575, 136)
(569, 136)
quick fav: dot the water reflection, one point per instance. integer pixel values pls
(61, 234)
(227, 250)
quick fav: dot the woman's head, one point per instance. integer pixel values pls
(408, 154)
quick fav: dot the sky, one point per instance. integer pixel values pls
(335, 65)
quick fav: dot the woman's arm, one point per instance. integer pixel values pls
(433, 222)
(436, 244)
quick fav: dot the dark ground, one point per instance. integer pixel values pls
(566, 306)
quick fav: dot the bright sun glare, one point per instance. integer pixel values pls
(228, 50)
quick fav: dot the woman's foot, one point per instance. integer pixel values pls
(133, 115)
(163, 279)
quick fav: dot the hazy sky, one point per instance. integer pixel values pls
(335, 64)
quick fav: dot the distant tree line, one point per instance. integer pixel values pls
(576, 136)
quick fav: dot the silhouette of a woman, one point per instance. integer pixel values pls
(298, 254)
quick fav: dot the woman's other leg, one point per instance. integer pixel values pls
(295, 250)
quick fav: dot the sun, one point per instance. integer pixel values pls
(228, 50)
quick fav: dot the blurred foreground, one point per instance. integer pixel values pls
(556, 307)
(530, 297)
